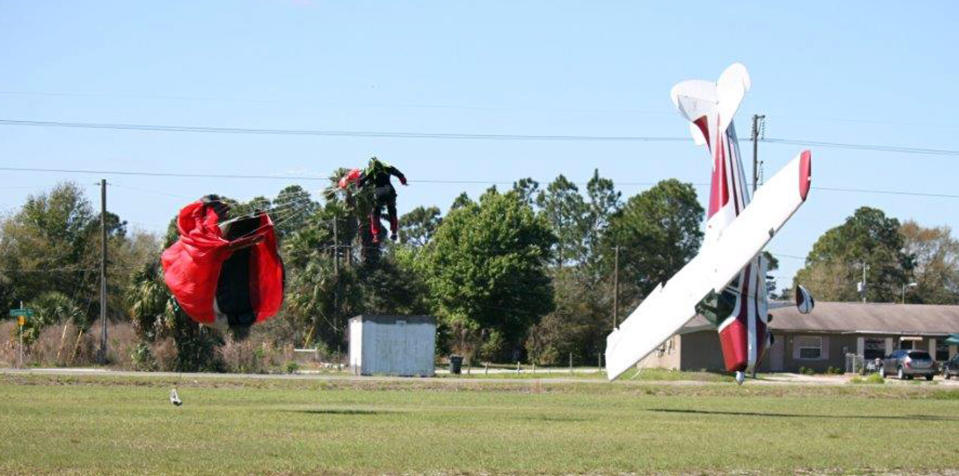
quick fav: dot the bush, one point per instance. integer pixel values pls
(871, 379)
(165, 354)
(255, 354)
(292, 367)
(142, 358)
(806, 371)
(834, 371)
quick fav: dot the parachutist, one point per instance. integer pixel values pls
(378, 174)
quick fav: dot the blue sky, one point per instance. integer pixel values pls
(856, 72)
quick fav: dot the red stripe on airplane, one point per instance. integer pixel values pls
(719, 191)
(805, 173)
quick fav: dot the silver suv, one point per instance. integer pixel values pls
(906, 364)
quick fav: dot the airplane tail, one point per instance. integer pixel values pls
(705, 104)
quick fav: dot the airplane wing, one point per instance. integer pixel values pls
(670, 306)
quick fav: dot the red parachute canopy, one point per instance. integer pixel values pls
(351, 177)
(229, 273)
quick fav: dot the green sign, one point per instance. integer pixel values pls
(21, 312)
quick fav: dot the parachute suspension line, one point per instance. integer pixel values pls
(290, 200)
(256, 213)
(260, 228)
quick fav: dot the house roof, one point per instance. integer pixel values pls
(870, 318)
(859, 318)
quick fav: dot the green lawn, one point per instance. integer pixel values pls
(234, 425)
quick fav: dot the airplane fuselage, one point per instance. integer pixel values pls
(740, 312)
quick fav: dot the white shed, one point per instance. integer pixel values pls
(392, 345)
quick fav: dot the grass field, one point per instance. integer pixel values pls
(236, 425)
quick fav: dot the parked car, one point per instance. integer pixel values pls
(950, 368)
(907, 364)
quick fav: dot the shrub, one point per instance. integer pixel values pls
(165, 354)
(834, 371)
(870, 379)
(142, 358)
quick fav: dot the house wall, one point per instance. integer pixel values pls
(834, 349)
(701, 351)
(667, 356)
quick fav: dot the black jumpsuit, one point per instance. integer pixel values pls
(383, 194)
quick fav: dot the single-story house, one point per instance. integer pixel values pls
(823, 338)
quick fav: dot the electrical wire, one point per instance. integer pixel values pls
(426, 181)
(456, 135)
(337, 133)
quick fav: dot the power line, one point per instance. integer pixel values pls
(457, 136)
(336, 133)
(887, 192)
(869, 147)
(427, 181)
(164, 174)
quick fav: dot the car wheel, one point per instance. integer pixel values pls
(929, 377)
(946, 375)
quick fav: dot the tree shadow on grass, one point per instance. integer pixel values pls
(807, 415)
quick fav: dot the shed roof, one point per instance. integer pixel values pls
(391, 319)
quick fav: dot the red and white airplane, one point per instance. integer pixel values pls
(726, 281)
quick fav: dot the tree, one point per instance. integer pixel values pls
(419, 225)
(461, 200)
(486, 269)
(658, 231)
(835, 264)
(604, 202)
(52, 245)
(564, 209)
(526, 189)
(291, 209)
(936, 256)
(44, 246)
(577, 327)
(772, 265)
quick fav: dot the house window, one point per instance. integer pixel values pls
(874, 349)
(809, 348)
(942, 350)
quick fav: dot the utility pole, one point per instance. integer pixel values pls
(336, 276)
(865, 267)
(103, 271)
(755, 135)
(20, 326)
(616, 289)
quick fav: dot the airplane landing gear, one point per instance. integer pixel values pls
(740, 377)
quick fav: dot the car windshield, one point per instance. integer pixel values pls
(920, 356)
